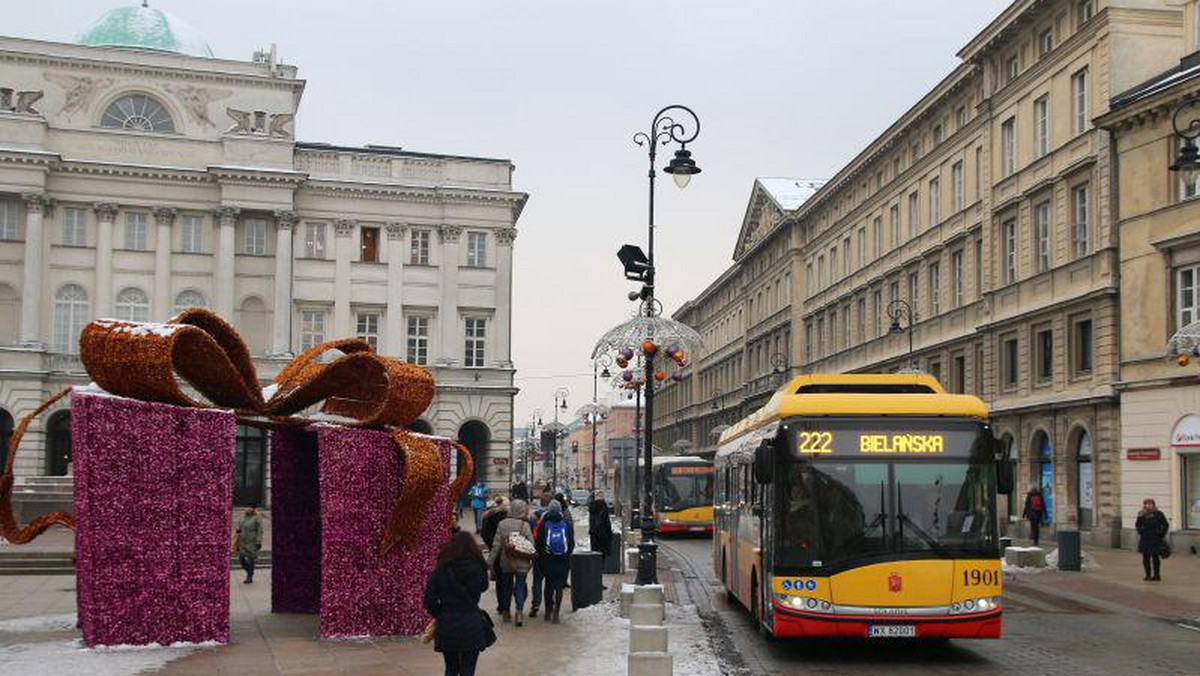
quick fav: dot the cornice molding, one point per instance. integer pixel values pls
(133, 171)
(432, 195)
(36, 158)
(137, 71)
(256, 176)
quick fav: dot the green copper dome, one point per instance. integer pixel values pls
(143, 27)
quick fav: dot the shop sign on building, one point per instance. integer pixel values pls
(1186, 432)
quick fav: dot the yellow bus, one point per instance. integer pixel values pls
(683, 495)
(863, 506)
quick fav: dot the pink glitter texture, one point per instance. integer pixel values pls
(362, 592)
(153, 486)
(295, 522)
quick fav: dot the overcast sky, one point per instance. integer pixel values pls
(782, 88)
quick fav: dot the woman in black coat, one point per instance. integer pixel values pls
(452, 599)
(555, 566)
(599, 527)
(1152, 530)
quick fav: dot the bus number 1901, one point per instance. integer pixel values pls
(976, 577)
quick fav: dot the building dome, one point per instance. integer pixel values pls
(144, 27)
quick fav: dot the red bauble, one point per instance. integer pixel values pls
(660, 375)
(649, 348)
(1183, 360)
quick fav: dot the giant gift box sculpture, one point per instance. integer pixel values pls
(360, 504)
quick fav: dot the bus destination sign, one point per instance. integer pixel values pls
(883, 440)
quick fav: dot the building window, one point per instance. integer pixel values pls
(418, 341)
(846, 256)
(1010, 250)
(192, 234)
(312, 328)
(877, 310)
(956, 177)
(1085, 487)
(937, 133)
(368, 245)
(833, 330)
(877, 235)
(1041, 126)
(1087, 9)
(1191, 489)
(894, 224)
(314, 240)
(820, 336)
(8, 219)
(1187, 296)
(935, 289)
(978, 173)
(960, 118)
(958, 374)
(895, 167)
(418, 253)
(1012, 68)
(935, 201)
(1044, 472)
(1008, 146)
(808, 342)
(833, 274)
(915, 152)
(862, 247)
(1079, 102)
(935, 370)
(368, 328)
(1079, 199)
(136, 237)
(137, 112)
(254, 237)
(476, 334)
(862, 320)
(132, 305)
(1043, 354)
(189, 299)
(914, 214)
(1041, 227)
(1045, 42)
(1082, 348)
(477, 249)
(914, 294)
(956, 275)
(1009, 364)
(979, 268)
(808, 280)
(820, 277)
(74, 227)
(71, 314)
(979, 369)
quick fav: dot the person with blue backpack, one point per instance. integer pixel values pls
(478, 495)
(554, 542)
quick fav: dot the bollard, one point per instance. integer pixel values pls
(647, 614)
(649, 593)
(1070, 556)
(647, 639)
(626, 600)
(650, 664)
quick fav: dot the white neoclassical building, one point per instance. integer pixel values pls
(140, 175)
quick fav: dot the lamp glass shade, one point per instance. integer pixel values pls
(682, 180)
(895, 327)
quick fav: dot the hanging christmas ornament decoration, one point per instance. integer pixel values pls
(649, 348)
(628, 376)
(1183, 360)
(626, 353)
(660, 376)
(677, 376)
(622, 362)
(672, 349)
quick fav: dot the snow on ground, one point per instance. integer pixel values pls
(608, 642)
(60, 656)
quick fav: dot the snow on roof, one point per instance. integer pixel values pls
(791, 193)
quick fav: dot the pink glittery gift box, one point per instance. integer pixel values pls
(362, 592)
(153, 488)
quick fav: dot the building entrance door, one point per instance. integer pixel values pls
(249, 477)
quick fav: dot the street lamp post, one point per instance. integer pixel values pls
(1187, 163)
(603, 361)
(665, 130)
(560, 401)
(535, 421)
(895, 310)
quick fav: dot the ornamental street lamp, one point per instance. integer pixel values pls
(895, 310)
(663, 130)
(560, 401)
(1187, 163)
(598, 412)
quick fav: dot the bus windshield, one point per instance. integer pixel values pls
(884, 489)
(680, 486)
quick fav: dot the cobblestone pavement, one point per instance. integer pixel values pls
(1076, 624)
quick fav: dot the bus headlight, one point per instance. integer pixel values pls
(980, 605)
(804, 603)
(789, 601)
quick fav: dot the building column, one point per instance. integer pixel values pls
(281, 339)
(34, 269)
(504, 252)
(164, 217)
(343, 255)
(106, 213)
(447, 339)
(394, 329)
(224, 268)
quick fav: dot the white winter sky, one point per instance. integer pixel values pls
(782, 88)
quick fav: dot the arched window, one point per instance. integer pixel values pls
(70, 316)
(6, 430)
(253, 321)
(58, 444)
(1043, 451)
(138, 112)
(249, 466)
(1084, 478)
(189, 299)
(133, 305)
(1007, 443)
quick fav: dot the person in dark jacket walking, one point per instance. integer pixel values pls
(491, 521)
(452, 599)
(1035, 512)
(1152, 530)
(555, 542)
(599, 527)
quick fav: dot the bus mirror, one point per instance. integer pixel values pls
(1004, 470)
(764, 457)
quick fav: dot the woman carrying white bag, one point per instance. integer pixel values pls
(516, 558)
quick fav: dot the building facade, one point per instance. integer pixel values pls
(140, 176)
(1159, 229)
(982, 224)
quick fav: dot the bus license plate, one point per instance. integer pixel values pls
(697, 529)
(892, 631)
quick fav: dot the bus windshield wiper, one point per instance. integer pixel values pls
(880, 520)
(904, 518)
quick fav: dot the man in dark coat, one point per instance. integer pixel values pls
(1152, 528)
(554, 543)
(599, 527)
(491, 521)
(1035, 512)
(452, 599)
